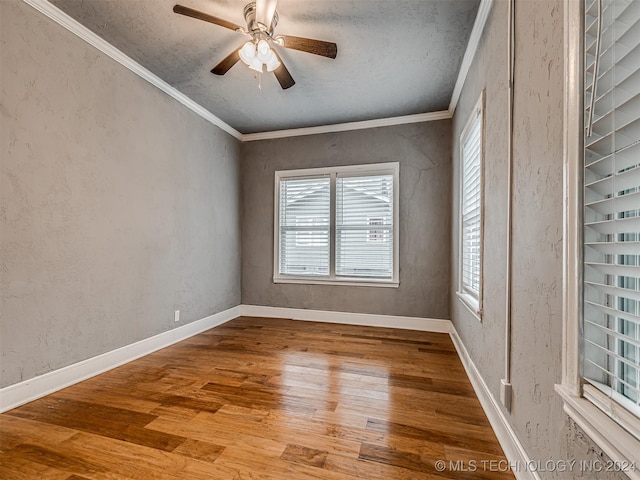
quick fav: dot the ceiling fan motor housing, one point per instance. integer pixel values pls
(255, 28)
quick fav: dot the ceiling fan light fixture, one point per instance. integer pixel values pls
(261, 18)
(248, 53)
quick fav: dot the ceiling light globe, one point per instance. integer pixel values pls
(263, 51)
(248, 53)
(263, 47)
(256, 65)
(273, 62)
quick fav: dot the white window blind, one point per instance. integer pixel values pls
(470, 205)
(362, 203)
(611, 319)
(304, 223)
(337, 225)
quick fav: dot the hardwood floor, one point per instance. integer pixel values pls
(267, 399)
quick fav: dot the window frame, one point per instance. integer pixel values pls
(470, 300)
(388, 168)
(606, 422)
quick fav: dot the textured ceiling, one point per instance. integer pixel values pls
(395, 58)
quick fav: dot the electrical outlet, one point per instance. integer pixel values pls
(177, 316)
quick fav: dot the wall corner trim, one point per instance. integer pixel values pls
(75, 27)
(37, 387)
(370, 320)
(470, 52)
(513, 449)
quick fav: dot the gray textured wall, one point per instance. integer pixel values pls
(537, 415)
(424, 153)
(119, 205)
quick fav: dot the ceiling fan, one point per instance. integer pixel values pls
(257, 53)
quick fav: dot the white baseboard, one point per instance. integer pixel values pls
(33, 388)
(366, 319)
(513, 449)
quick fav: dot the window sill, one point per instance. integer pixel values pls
(471, 303)
(347, 282)
(617, 443)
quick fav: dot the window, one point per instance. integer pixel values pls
(337, 225)
(601, 232)
(611, 267)
(470, 233)
(304, 215)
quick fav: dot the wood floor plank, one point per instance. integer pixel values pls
(482, 439)
(199, 450)
(346, 420)
(304, 455)
(52, 457)
(322, 428)
(361, 468)
(134, 461)
(262, 399)
(225, 435)
(22, 469)
(15, 431)
(100, 419)
(293, 432)
(116, 398)
(398, 458)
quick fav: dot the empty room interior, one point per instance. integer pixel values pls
(324, 239)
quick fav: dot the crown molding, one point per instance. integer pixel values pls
(75, 27)
(470, 52)
(343, 127)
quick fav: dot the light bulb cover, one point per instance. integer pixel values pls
(248, 53)
(256, 65)
(263, 47)
(263, 51)
(272, 63)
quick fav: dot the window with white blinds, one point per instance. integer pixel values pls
(364, 226)
(611, 305)
(471, 208)
(304, 226)
(337, 225)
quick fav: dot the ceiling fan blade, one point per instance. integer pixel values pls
(190, 12)
(265, 10)
(282, 74)
(309, 45)
(229, 61)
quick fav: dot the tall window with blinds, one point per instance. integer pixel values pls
(611, 270)
(337, 225)
(471, 150)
